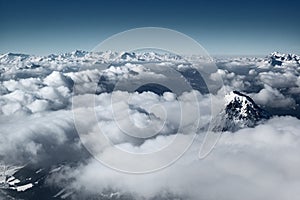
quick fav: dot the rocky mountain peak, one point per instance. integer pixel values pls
(240, 111)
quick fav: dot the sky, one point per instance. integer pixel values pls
(221, 27)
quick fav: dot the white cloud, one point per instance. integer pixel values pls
(271, 97)
(278, 80)
(256, 163)
(250, 164)
(28, 138)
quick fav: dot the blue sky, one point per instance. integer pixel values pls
(221, 27)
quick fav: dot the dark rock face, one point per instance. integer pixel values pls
(278, 59)
(153, 87)
(127, 55)
(240, 111)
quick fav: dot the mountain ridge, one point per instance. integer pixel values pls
(240, 111)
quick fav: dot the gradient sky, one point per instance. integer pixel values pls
(222, 27)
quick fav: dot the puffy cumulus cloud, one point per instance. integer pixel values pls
(57, 79)
(252, 72)
(129, 120)
(85, 79)
(135, 117)
(28, 84)
(223, 73)
(271, 97)
(278, 80)
(126, 71)
(253, 163)
(260, 71)
(50, 86)
(32, 138)
(29, 127)
(32, 95)
(231, 78)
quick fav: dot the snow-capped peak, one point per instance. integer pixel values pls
(8, 57)
(79, 53)
(244, 102)
(240, 111)
(277, 58)
(126, 55)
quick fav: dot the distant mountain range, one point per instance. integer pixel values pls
(274, 58)
(85, 58)
(49, 73)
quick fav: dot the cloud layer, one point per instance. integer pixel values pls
(253, 163)
(46, 101)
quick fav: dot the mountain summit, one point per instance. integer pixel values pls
(276, 58)
(240, 111)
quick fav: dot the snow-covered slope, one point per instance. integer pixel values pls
(240, 111)
(276, 58)
(84, 58)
